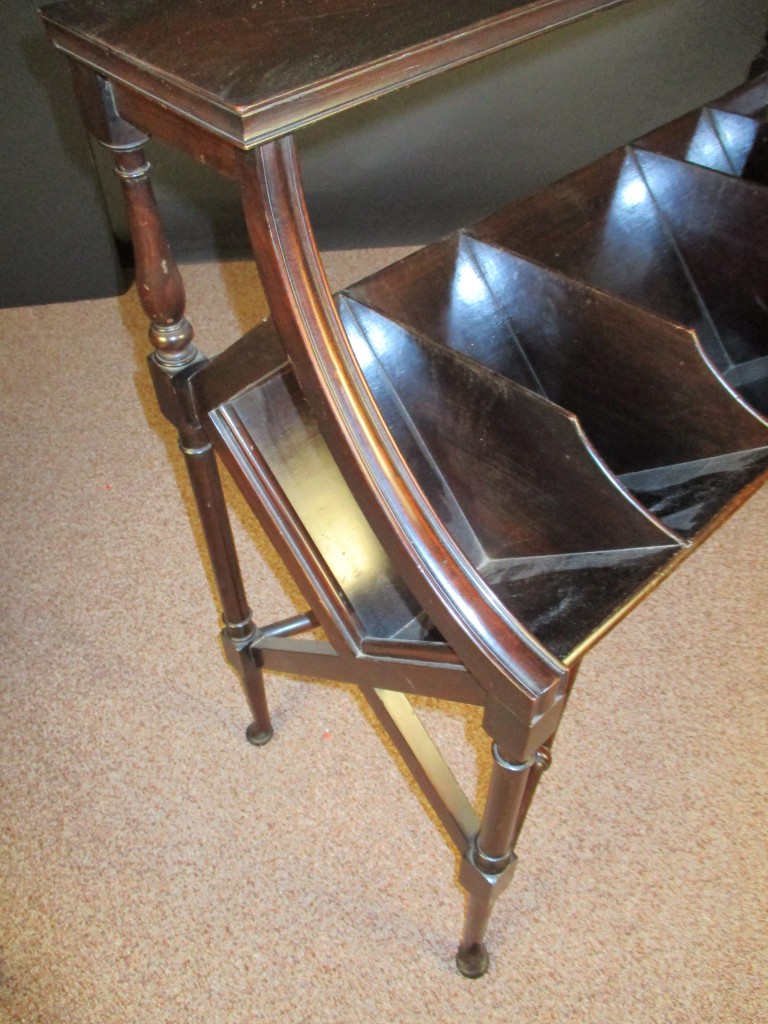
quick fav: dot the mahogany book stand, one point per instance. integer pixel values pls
(479, 459)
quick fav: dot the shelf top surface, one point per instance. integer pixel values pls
(254, 69)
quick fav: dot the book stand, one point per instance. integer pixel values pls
(479, 459)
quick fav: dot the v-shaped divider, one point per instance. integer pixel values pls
(521, 685)
(730, 272)
(726, 261)
(365, 595)
(744, 141)
(729, 136)
(717, 139)
(380, 435)
(600, 225)
(524, 681)
(647, 396)
(550, 530)
(631, 225)
(741, 119)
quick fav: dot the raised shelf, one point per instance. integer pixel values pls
(557, 385)
(678, 239)
(646, 395)
(476, 461)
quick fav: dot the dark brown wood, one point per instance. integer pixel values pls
(206, 486)
(542, 522)
(491, 857)
(717, 139)
(617, 368)
(277, 417)
(542, 761)
(158, 281)
(729, 274)
(239, 628)
(521, 674)
(477, 461)
(429, 650)
(750, 99)
(285, 530)
(190, 137)
(161, 292)
(254, 72)
(426, 764)
(413, 676)
(636, 207)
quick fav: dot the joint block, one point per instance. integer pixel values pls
(519, 740)
(175, 393)
(239, 651)
(484, 883)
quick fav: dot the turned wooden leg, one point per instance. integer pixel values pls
(490, 861)
(239, 629)
(542, 759)
(487, 870)
(173, 365)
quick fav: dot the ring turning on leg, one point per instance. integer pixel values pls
(489, 864)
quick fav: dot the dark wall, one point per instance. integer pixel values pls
(422, 161)
(402, 170)
(56, 242)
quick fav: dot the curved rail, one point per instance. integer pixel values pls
(507, 660)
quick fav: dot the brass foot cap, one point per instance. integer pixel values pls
(258, 737)
(473, 961)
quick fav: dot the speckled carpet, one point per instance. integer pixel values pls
(157, 868)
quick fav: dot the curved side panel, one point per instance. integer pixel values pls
(504, 657)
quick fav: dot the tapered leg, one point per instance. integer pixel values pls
(488, 869)
(239, 629)
(491, 859)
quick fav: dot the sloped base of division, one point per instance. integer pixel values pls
(686, 497)
(564, 600)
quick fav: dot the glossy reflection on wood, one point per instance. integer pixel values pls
(478, 460)
(631, 225)
(643, 390)
(255, 71)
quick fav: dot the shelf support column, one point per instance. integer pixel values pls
(488, 867)
(490, 862)
(173, 365)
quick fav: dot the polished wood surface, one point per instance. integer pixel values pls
(643, 390)
(678, 239)
(253, 71)
(472, 334)
(475, 462)
(519, 672)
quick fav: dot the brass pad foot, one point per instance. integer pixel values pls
(258, 737)
(473, 962)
